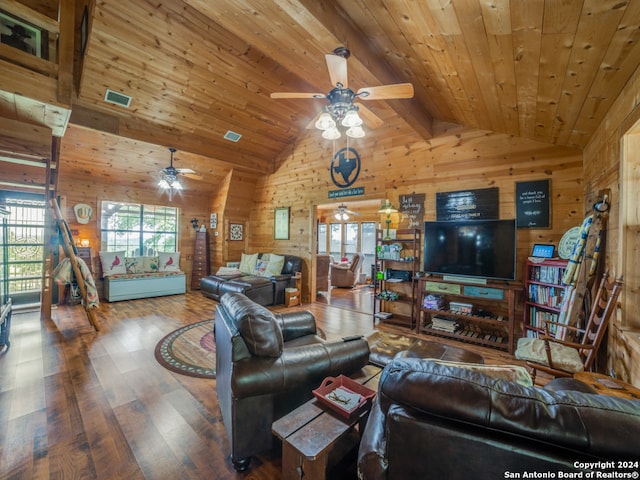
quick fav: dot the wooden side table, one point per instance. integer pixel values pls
(606, 385)
(292, 295)
(312, 435)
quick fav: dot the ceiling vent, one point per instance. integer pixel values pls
(117, 98)
(232, 136)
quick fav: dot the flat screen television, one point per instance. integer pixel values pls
(471, 248)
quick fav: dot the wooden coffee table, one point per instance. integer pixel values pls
(312, 436)
(606, 385)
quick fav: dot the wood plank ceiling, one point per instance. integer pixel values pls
(542, 69)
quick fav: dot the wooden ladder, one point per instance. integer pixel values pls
(70, 252)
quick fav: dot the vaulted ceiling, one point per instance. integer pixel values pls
(542, 69)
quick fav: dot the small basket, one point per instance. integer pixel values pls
(329, 384)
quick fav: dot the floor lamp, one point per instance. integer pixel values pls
(388, 209)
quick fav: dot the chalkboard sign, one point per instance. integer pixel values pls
(412, 210)
(532, 204)
(477, 204)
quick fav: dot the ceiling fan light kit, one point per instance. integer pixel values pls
(341, 109)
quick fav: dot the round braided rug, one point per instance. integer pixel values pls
(189, 350)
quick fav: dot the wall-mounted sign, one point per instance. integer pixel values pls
(468, 204)
(345, 167)
(532, 204)
(347, 192)
(412, 210)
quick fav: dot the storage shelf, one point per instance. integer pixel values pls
(541, 280)
(487, 331)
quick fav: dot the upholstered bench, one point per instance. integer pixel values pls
(384, 347)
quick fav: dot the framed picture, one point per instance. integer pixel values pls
(23, 35)
(213, 221)
(235, 231)
(533, 204)
(281, 224)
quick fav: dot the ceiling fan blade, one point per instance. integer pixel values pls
(371, 120)
(337, 70)
(193, 175)
(383, 92)
(185, 170)
(297, 95)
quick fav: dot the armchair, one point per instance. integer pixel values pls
(562, 358)
(267, 365)
(347, 275)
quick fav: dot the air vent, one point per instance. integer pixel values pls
(117, 98)
(233, 136)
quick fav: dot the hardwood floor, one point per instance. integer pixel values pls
(79, 404)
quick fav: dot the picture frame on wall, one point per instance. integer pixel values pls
(236, 231)
(281, 224)
(22, 35)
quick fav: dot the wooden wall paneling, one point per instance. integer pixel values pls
(603, 169)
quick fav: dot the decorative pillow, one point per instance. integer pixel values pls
(276, 262)
(261, 267)
(248, 263)
(564, 358)
(113, 263)
(150, 264)
(511, 373)
(133, 264)
(169, 261)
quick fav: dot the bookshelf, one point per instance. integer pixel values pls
(544, 293)
(396, 263)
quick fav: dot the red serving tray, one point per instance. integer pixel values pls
(329, 384)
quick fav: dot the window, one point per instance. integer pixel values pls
(322, 238)
(138, 229)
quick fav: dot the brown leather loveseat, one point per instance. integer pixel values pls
(267, 365)
(434, 421)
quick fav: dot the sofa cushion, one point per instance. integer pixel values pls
(169, 261)
(256, 324)
(511, 373)
(248, 263)
(564, 358)
(113, 263)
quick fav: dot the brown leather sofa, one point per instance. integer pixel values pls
(263, 290)
(267, 365)
(433, 421)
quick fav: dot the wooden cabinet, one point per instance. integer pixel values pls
(544, 293)
(200, 260)
(480, 314)
(396, 263)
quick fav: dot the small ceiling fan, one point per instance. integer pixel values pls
(342, 107)
(172, 173)
(343, 213)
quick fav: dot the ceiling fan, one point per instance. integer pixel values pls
(342, 107)
(171, 173)
(342, 212)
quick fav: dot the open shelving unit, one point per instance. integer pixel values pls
(396, 263)
(485, 314)
(544, 293)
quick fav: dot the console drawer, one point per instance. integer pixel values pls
(483, 292)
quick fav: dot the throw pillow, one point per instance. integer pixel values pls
(276, 262)
(564, 358)
(510, 373)
(169, 261)
(113, 263)
(248, 263)
(261, 267)
(149, 264)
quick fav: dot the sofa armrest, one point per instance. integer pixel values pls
(372, 453)
(296, 324)
(297, 366)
